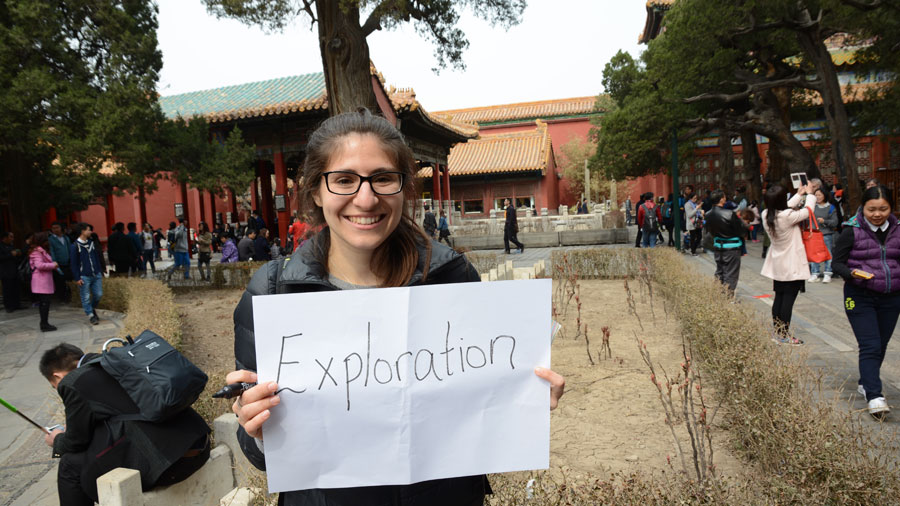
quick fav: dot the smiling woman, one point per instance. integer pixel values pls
(356, 182)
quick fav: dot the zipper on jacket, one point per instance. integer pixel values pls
(887, 270)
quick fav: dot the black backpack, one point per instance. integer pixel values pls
(157, 377)
(651, 223)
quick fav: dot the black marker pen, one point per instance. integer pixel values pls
(233, 390)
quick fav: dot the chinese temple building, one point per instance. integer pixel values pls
(277, 116)
(515, 156)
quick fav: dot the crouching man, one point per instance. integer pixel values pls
(98, 437)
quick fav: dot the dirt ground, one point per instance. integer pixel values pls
(610, 418)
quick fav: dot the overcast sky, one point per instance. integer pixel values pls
(558, 51)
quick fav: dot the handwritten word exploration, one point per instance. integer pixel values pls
(419, 365)
(401, 385)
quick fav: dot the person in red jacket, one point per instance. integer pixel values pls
(648, 219)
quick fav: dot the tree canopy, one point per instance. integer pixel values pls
(344, 25)
(742, 69)
(77, 100)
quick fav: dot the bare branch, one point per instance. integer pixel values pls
(308, 8)
(374, 21)
(755, 87)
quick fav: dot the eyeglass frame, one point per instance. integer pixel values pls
(363, 179)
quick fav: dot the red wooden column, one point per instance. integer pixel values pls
(435, 187)
(879, 153)
(142, 208)
(254, 198)
(48, 218)
(449, 209)
(281, 189)
(110, 214)
(265, 188)
(201, 205)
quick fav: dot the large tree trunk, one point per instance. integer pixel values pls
(345, 58)
(833, 103)
(786, 153)
(726, 163)
(752, 164)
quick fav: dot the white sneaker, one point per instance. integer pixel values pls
(813, 278)
(878, 407)
(861, 390)
(827, 278)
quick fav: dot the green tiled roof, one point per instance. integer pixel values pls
(275, 96)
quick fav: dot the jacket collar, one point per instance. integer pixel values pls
(302, 267)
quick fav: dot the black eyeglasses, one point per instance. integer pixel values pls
(348, 183)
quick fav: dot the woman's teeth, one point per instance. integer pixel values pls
(364, 220)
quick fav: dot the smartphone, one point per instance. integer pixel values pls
(799, 179)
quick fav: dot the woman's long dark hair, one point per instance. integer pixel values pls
(776, 200)
(395, 260)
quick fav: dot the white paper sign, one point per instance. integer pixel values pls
(401, 385)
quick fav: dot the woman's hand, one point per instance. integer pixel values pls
(252, 406)
(557, 384)
(861, 274)
(820, 220)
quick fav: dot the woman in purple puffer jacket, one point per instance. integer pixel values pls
(42, 267)
(867, 256)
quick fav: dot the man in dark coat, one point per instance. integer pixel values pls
(246, 246)
(121, 250)
(429, 224)
(95, 441)
(727, 230)
(511, 228)
(10, 256)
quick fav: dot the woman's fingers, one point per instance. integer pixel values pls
(252, 407)
(242, 376)
(557, 384)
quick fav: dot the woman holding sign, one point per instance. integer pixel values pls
(357, 180)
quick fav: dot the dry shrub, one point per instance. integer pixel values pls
(147, 304)
(554, 488)
(809, 450)
(483, 261)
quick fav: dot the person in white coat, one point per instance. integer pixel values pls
(786, 262)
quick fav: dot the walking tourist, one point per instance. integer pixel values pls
(429, 224)
(296, 231)
(180, 247)
(693, 221)
(648, 218)
(727, 230)
(755, 223)
(444, 229)
(336, 188)
(229, 250)
(826, 216)
(867, 256)
(149, 248)
(10, 256)
(637, 208)
(135, 237)
(246, 246)
(786, 263)
(261, 249)
(121, 250)
(42, 267)
(59, 251)
(511, 228)
(87, 271)
(204, 250)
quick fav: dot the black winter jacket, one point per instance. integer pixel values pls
(725, 223)
(303, 273)
(92, 398)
